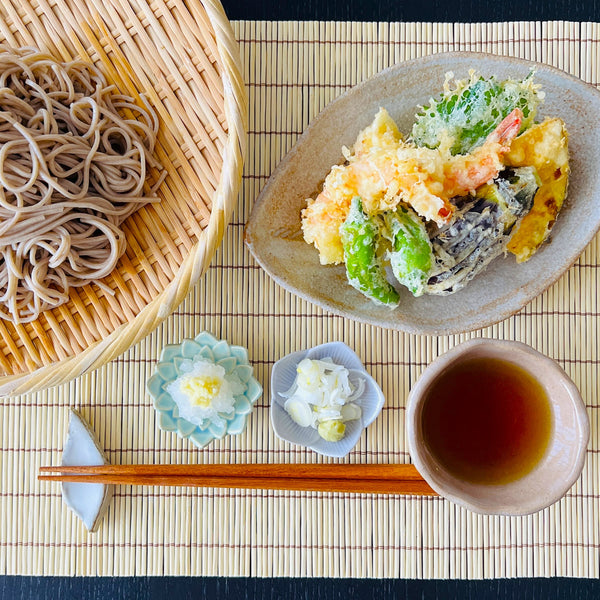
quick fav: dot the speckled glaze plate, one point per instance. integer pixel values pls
(273, 232)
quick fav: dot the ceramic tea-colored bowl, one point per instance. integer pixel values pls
(558, 468)
(274, 236)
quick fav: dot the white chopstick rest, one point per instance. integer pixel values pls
(88, 501)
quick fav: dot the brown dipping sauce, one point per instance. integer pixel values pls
(486, 420)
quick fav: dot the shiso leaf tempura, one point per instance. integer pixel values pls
(469, 110)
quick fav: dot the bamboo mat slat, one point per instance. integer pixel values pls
(292, 70)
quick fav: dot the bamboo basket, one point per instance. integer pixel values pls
(183, 56)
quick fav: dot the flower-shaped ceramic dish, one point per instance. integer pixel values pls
(175, 360)
(273, 232)
(282, 379)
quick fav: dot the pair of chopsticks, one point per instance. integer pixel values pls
(356, 478)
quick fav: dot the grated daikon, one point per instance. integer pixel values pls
(204, 392)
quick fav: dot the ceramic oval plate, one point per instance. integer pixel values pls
(273, 231)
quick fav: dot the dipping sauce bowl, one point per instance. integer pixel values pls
(497, 427)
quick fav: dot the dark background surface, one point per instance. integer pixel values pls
(179, 588)
(471, 11)
(182, 588)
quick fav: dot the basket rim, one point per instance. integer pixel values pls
(198, 259)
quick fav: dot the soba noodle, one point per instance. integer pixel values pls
(74, 156)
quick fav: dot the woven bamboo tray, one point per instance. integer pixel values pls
(183, 56)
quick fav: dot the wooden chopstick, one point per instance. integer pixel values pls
(361, 478)
(317, 471)
(366, 486)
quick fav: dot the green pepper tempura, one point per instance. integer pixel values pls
(365, 272)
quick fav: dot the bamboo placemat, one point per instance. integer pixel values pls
(292, 70)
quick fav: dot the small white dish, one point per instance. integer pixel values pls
(282, 379)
